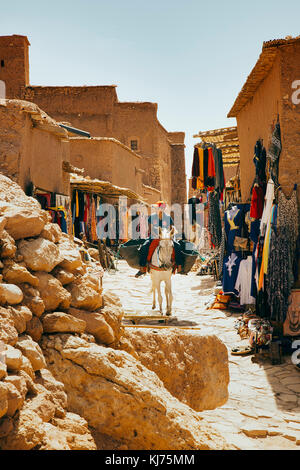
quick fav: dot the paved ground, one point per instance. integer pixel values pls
(263, 410)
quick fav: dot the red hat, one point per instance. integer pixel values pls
(160, 204)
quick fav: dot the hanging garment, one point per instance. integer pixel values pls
(288, 217)
(44, 200)
(233, 219)
(243, 282)
(230, 273)
(257, 202)
(195, 168)
(214, 219)
(210, 182)
(266, 215)
(278, 285)
(219, 172)
(260, 161)
(274, 153)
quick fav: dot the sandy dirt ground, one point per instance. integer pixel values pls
(263, 409)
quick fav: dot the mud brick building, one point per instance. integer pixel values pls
(97, 110)
(267, 96)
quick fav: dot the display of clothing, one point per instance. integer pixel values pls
(230, 273)
(288, 217)
(257, 202)
(278, 285)
(274, 153)
(207, 168)
(243, 282)
(269, 198)
(233, 219)
(214, 219)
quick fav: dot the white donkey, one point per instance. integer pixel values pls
(161, 267)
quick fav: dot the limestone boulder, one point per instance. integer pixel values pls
(39, 254)
(20, 315)
(14, 399)
(8, 332)
(3, 399)
(55, 388)
(113, 313)
(96, 325)
(32, 299)
(32, 351)
(13, 358)
(51, 232)
(63, 276)
(17, 273)
(135, 406)
(86, 293)
(192, 366)
(34, 328)
(52, 293)
(8, 247)
(69, 433)
(27, 368)
(59, 322)
(70, 254)
(22, 222)
(3, 370)
(94, 254)
(10, 294)
(27, 432)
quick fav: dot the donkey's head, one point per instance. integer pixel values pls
(166, 246)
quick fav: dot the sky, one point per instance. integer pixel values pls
(191, 57)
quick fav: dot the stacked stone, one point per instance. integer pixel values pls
(45, 288)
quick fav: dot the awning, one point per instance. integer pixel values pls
(104, 188)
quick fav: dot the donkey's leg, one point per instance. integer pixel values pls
(169, 296)
(153, 291)
(160, 299)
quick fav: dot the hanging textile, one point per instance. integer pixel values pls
(214, 219)
(274, 153)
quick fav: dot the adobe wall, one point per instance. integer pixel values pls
(289, 162)
(87, 108)
(178, 174)
(14, 64)
(254, 121)
(108, 160)
(29, 154)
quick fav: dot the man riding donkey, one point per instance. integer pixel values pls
(157, 221)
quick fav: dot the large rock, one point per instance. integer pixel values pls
(113, 313)
(3, 399)
(18, 273)
(32, 299)
(119, 397)
(96, 325)
(10, 294)
(39, 254)
(22, 222)
(13, 358)
(63, 276)
(34, 328)
(59, 322)
(193, 367)
(86, 293)
(52, 292)
(20, 315)
(51, 232)
(32, 351)
(70, 254)
(8, 332)
(7, 245)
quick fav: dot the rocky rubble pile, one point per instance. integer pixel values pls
(68, 373)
